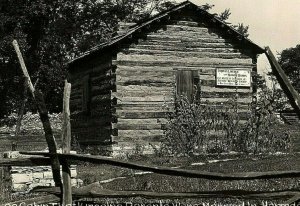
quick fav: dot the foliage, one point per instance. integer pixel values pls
(198, 127)
(224, 15)
(242, 29)
(31, 123)
(50, 33)
(290, 62)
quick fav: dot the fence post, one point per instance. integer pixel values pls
(66, 146)
(43, 112)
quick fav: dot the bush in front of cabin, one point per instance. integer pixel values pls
(196, 127)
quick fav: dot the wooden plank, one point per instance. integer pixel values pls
(66, 146)
(174, 171)
(284, 82)
(29, 161)
(96, 191)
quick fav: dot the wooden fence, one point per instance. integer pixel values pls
(64, 193)
(95, 190)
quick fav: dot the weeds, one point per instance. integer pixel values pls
(196, 127)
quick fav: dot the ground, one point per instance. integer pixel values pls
(226, 163)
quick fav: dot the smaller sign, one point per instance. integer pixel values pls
(233, 77)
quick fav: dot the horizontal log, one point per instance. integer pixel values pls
(29, 161)
(157, 98)
(146, 89)
(140, 114)
(207, 77)
(100, 78)
(132, 141)
(173, 171)
(143, 121)
(214, 89)
(187, 23)
(183, 48)
(185, 54)
(130, 126)
(186, 28)
(97, 191)
(99, 98)
(150, 83)
(102, 91)
(122, 73)
(231, 95)
(144, 94)
(100, 121)
(144, 68)
(101, 67)
(189, 38)
(140, 133)
(239, 100)
(187, 31)
(148, 77)
(100, 82)
(184, 36)
(174, 64)
(137, 108)
(178, 43)
(169, 59)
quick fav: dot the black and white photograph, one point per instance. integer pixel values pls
(149, 103)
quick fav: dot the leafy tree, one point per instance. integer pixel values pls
(52, 32)
(290, 62)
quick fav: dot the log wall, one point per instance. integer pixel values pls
(146, 77)
(90, 101)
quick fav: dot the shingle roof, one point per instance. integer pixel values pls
(137, 27)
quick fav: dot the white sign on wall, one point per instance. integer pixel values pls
(233, 77)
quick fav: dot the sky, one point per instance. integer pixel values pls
(273, 23)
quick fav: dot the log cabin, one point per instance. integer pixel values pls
(119, 87)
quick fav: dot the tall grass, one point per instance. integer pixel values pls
(196, 127)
